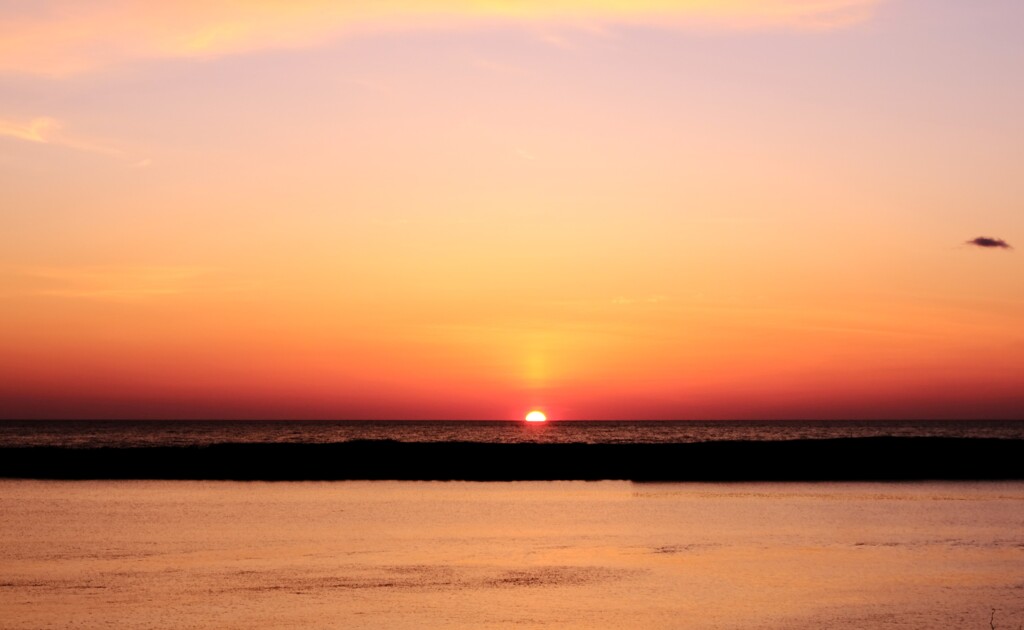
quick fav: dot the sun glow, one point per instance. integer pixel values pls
(536, 416)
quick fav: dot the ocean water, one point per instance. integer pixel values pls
(558, 554)
(85, 434)
(409, 555)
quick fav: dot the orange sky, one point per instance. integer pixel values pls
(468, 209)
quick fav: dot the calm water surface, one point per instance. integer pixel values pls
(147, 554)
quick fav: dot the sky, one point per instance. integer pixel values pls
(653, 209)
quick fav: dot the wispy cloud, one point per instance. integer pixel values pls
(59, 37)
(650, 299)
(107, 282)
(36, 130)
(43, 130)
(989, 243)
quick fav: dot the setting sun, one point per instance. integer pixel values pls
(536, 416)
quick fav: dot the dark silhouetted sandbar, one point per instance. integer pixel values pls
(798, 460)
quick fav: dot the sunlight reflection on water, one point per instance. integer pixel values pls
(555, 554)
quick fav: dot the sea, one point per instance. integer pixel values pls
(505, 555)
(94, 433)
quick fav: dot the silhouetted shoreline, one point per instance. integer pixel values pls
(848, 459)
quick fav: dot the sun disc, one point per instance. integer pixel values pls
(536, 416)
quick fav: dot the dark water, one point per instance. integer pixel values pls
(87, 434)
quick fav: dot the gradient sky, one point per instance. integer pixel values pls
(468, 209)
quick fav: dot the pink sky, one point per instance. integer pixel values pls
(459, 209)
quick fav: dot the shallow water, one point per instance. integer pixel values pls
(545, 554)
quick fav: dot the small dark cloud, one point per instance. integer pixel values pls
(986, 241)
